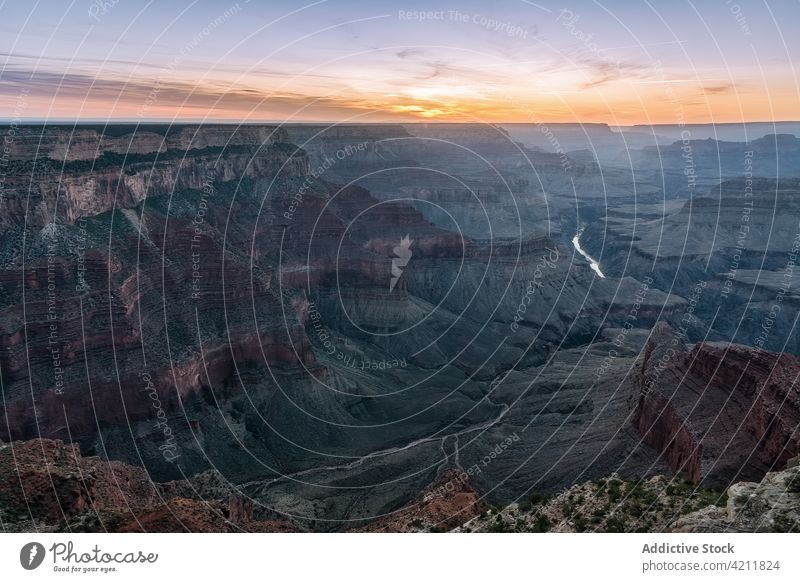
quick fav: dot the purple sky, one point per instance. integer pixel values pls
(508, 60)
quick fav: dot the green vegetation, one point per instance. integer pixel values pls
(499, 525)
(542, 524)
(613, 505)
(534, 499)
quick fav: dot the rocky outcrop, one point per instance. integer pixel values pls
(656, 419)
(717, 412)
(50, 481)
(63, 194)
(770, 505)
(48, 485)
(66, 143)
(608, 505)
(448, 502)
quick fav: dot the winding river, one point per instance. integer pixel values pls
(576, 242)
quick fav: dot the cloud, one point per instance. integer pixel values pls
(718, 88)
(164, 94)
(409, 52)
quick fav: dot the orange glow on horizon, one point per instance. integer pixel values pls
(619, 103)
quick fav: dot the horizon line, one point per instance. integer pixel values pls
(64, 121)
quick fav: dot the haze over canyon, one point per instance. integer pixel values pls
(395, 327)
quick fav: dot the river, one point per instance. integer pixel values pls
(576, 242)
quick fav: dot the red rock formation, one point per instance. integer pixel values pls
(69, 194)
(51, 481)
(240, 509)
(51, 484)
(718, 412)
(138, 291)
(449, 502)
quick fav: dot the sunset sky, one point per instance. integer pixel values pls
(617, 62)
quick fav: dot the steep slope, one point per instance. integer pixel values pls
(717, 413)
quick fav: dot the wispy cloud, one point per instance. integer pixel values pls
(131, 96)
(718, 88)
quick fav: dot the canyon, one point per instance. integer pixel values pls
(316, 328)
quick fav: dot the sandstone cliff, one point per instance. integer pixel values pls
(717, 412)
